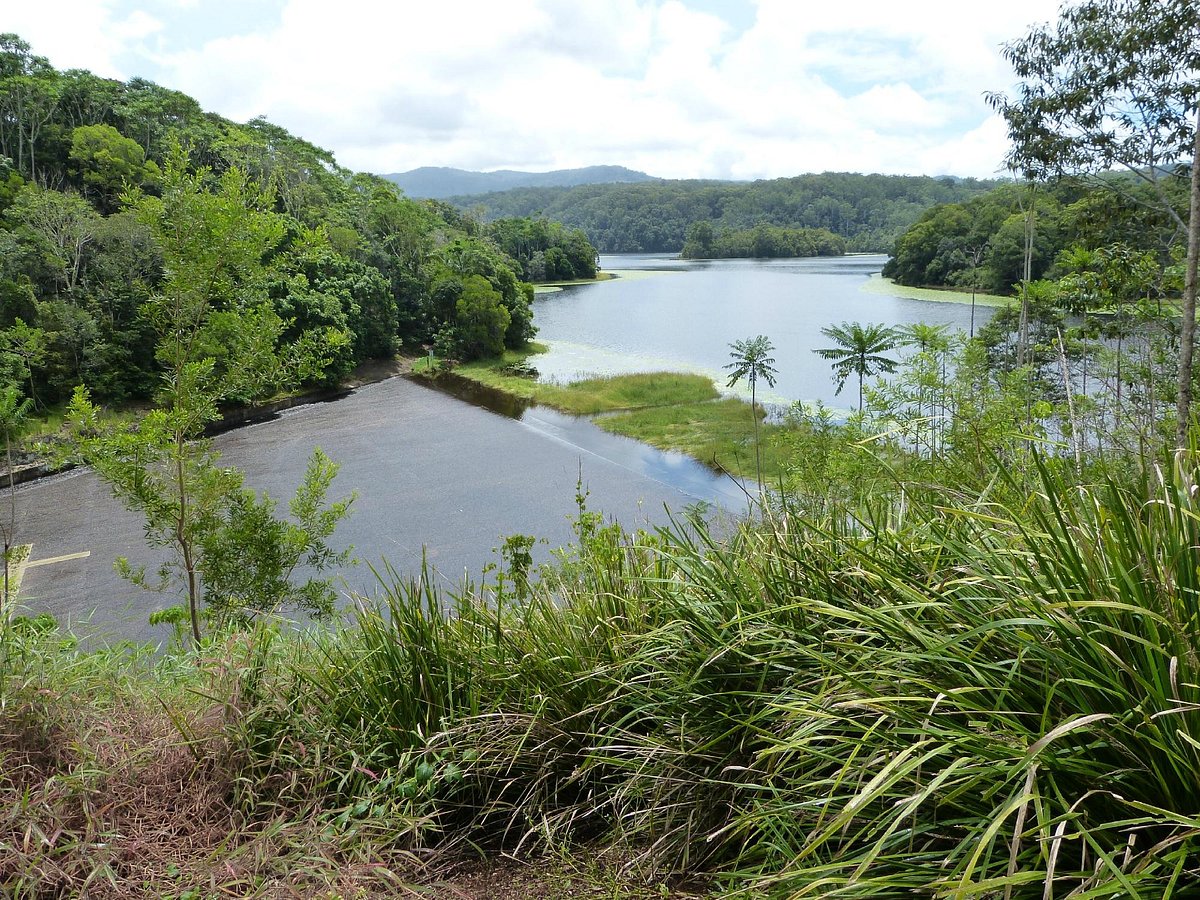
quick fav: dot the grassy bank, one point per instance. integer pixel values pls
(669, 410)
(127, 773)
(550, 287)
(510, 374)
(718, 433)
(876, 284)
(948, 697)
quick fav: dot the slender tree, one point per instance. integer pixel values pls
(859, 351)
(217, 339)
(752, 361)
(932, 344)
(1116, 85)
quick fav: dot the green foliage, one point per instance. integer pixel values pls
(218, 338)
(352, 269)
(481, 319)
(761, 242)
(230, 556)
(545, 250)
(936, 692)
(980, 243)
(1111, 83)
(61, 227)
(751, 362)
(250, 562)
(1116, 84)
(868, 211)
(14, 414)
(107, 164)
(859, 351)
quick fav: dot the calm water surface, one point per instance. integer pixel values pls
(677, 315)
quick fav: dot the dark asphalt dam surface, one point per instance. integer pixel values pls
(434, 475)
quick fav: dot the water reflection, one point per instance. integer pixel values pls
(579, 433)
(681, 315)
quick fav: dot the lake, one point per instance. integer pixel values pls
(445, 480)
(681, 315)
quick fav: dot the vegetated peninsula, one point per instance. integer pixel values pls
(980, 242)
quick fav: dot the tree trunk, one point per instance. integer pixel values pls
(185, 542)
(757, 451)
(1187, 329)
(11, 527)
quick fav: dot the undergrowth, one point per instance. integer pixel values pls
(940, 694)
(952, 697)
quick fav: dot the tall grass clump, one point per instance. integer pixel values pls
(952, 696)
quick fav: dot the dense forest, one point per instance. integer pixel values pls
(868, 211)
(110, 190)
(760, 242)
(982, 241)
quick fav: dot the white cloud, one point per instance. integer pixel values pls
(79, 34)
(896, 106)
(653, 84)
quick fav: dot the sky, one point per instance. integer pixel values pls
(739, 89)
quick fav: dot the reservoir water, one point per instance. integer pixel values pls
(681, 315)
(444, 480)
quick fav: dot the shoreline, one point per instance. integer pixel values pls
(370, 372)
(877, 284)
(676, 412)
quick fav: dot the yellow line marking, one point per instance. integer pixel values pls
(17, 573)
(55, 559)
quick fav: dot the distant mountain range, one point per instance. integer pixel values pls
(438, 182)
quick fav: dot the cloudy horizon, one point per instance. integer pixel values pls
(732, 89)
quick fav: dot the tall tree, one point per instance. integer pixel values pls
(752, 361)
(859, 351)
(217, 338)
(1116, 84)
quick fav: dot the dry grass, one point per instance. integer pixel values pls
(105, 797)
(116, 808)
(105, 794)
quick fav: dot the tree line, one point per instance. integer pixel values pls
(982, 243)
(351, 271)
(1100, 239)
(760, 242)
(868, 211)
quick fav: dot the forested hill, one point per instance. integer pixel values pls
(869, 211)
(124, 205)
(439, 182)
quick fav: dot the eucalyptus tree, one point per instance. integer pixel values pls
(751, 360)
(859, 351)
(1115, 84)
